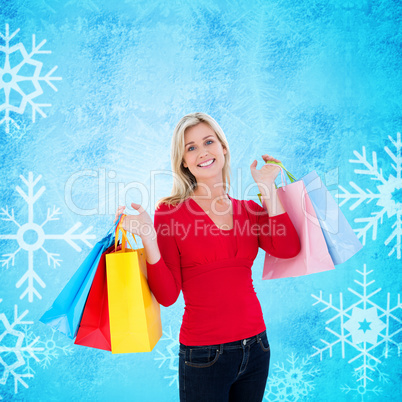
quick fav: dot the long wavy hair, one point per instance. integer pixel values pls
(184, 182)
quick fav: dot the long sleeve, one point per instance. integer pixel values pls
(276, 235)
(164, 277)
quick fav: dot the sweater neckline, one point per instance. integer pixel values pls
(212, 222)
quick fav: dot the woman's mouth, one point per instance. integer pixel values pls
(209, 163)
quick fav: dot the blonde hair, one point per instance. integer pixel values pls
(184, 182)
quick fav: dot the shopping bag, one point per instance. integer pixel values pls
(341, 240)
(313, 256)
(134, 313)
(66, 311)
(94, 329)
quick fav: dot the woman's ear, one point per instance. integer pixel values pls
(184, 164)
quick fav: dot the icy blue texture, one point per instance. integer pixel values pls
(316, 84)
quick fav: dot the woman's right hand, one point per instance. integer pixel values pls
(140, 225)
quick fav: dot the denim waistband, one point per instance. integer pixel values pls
(240, 344)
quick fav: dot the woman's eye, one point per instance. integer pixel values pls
(189, 148)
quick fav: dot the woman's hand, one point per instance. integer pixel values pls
(140, 225)
(267, 174)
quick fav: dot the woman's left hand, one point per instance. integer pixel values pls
(268, 173)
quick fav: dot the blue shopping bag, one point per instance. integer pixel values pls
(341, 240)
(66, 311)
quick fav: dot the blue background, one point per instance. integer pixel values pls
(316, 84)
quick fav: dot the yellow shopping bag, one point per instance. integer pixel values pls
(134, 313)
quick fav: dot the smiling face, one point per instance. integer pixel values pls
(202, 145)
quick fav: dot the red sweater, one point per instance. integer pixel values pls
(212, 267)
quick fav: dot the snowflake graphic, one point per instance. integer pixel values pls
(373, 365)
(13, 351)
(170, 354)
(30, 276)
(50, 348)
(389, 200)
(291, 384)
(20, 90)
(364, 326)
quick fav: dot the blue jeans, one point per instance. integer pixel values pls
(232, 371)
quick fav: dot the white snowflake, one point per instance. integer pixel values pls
(291, 383)
(364, 326)
(388, 198)
(12, 343)
(373, 365)
(51, 348)
(30, 276)
(12, 83)
(170, 354)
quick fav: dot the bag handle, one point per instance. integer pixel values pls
(113, 228)
(119, 228)
(290, 176)
(280, 164)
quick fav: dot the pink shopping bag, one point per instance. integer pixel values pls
(313, 256)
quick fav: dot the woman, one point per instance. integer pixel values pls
(204, 242)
